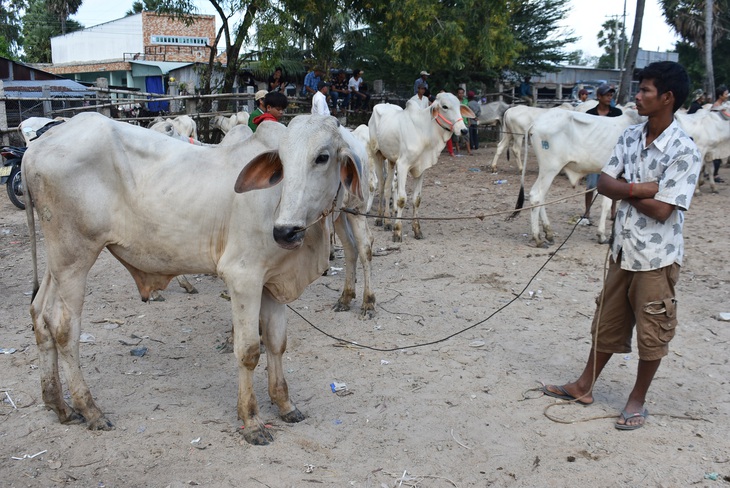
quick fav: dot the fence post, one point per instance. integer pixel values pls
(103, 98)
(3, 115)
(173, 91)
(47, 108)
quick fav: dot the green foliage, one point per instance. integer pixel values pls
(612, 39)
(144, 6)
(39, 25)
(10, 27)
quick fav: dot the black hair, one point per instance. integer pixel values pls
(356, 72)
(321, 84)
(668, 76)
(278, 68)
(276, 100)
(720, 90)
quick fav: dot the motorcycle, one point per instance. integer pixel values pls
(10, 174)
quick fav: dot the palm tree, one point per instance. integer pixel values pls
(63, 9)
(630, 62)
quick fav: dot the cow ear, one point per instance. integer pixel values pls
(467, 112)
(263, 171)
(350, 174)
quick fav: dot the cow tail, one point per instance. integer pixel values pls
(33, 245)
(521, 195)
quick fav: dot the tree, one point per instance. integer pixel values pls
(144, 6)
(611, 38)
(62, 9)
(11, 37)
(39, 25)
(630, 62)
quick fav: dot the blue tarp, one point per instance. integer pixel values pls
(153, 84)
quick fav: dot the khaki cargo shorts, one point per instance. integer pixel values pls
(645, 299)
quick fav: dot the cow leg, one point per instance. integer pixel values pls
(538, 215)
(605, 210)
(388, 196)
(517, 141)
(364, 244)
(400, 202)
(273, 328)
(379, 164)
(416, 224)
(57, 323)
(344, 232)
(246, 303)
(51, 387)
(184, 283)
(504, 143)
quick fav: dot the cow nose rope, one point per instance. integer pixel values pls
(439, 118)
(459, 332)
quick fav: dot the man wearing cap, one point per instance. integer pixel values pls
(319, 100)
(698, 98)
(259, 101)
(421, 81)
(604, 94)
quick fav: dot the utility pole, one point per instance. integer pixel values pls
(709, 6)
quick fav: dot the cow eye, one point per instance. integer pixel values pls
(322, 158)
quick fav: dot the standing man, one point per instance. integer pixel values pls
(359, 99)
(698, 98)
(653, 171)
(421, 81)
(421, 98)
(605, 94)
(457, 137)
(474, 123)
(309, 88)
(260, 108)
(319, 100)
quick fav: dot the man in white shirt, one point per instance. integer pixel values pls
(359, 100)
(421, 98)
(319, 100)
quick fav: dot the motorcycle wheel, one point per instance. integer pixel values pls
(15, 188)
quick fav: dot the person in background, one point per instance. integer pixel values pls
(474, 123)
(277, 82)
(653, 171)
(721, 96)
(698, 99)
(319, 100)
(605, 94)
(259, 110)
(458, 137)
(275, 104)
(247, 80)
(582, 95)
(309, 88)
(420, 98)
(360, 100)
(339, 91)
(526, 91)
(421, 81)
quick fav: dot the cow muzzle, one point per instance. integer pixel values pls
(464, 132)
(288, 237)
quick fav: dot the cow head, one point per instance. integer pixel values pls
(312, 161)
(448, 113)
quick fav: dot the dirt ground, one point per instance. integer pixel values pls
(442, 394)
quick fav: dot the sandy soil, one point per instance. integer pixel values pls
(442, 394)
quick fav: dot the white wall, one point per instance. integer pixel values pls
(99, 43)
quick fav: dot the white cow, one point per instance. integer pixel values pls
(30, 126)
(492, 113)
(516, 123)
(411, 140)
(586, 106)
(224, 124)
(183, 124)
(577, 144)
(143, 199)
(711, 133)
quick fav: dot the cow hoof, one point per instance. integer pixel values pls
(341, 307)
(293, 417)
(387, 226)
(367, 314)
(257, 437)
(72, 418)
(191, 290)
(156, 297)
(418, 235)
(397, 238)
(101, 424)
(378, 222)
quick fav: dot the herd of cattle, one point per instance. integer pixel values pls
(263, 215)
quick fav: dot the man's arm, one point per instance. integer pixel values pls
(638, 195)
